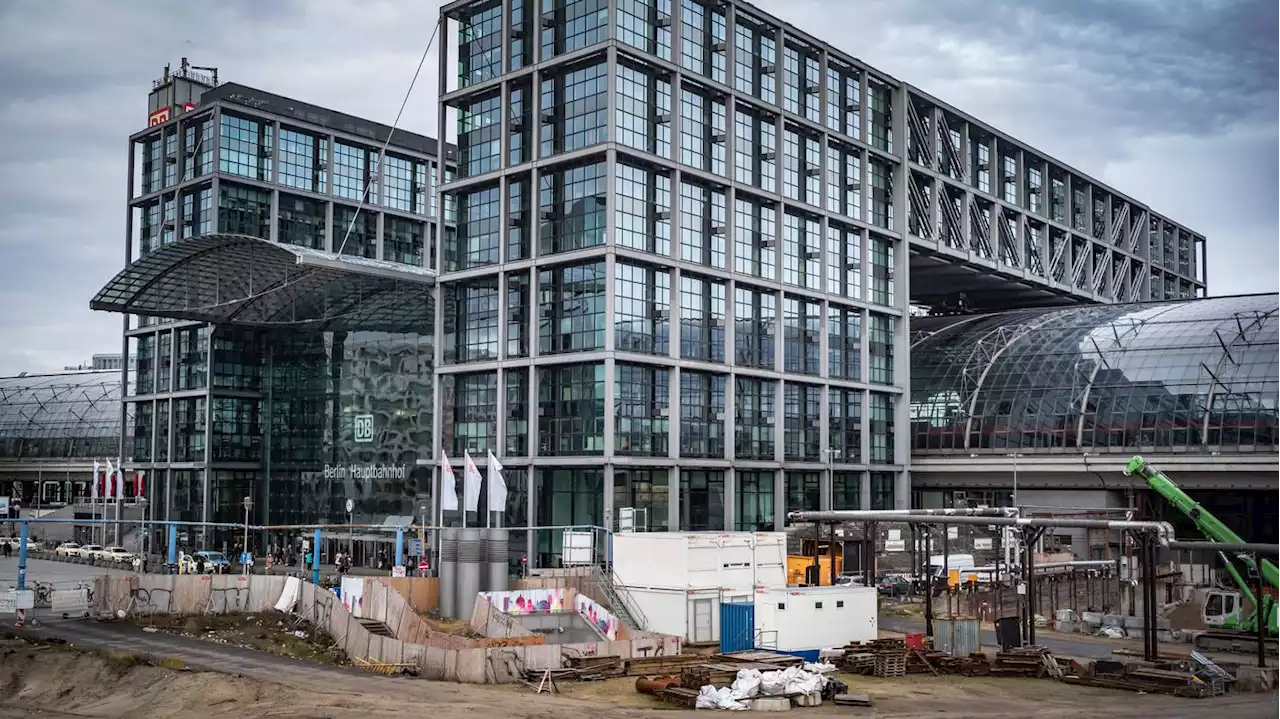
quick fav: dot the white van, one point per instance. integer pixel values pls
(940, 565)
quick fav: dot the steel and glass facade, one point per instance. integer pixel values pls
(1152, 378)
(252, 405)
(719, 267)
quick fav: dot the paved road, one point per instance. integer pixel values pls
(1082, 648)
(44, 570)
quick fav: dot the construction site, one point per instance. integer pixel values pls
(848, 611)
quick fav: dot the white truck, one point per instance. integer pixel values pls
(941, 565)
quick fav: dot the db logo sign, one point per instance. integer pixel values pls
(364, 428)
(159, 117)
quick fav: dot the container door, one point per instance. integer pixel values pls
(737, 627)
(700, 633)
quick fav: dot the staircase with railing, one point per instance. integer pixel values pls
(619, 600)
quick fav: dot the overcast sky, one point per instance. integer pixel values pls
(1171, 101)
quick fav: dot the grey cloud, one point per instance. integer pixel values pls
(1173, 102)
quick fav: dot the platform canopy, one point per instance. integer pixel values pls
(251, 282)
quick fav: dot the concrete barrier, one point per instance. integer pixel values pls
(438, 656)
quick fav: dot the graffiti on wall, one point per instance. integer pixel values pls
(528, 601)
(589, 610)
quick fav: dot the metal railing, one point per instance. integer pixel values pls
(627, 611)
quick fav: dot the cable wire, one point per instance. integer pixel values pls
(394, 125)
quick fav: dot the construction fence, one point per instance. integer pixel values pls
(438, 655)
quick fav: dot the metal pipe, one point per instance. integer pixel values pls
(1054, 565)
(1162, 530)
(953, 512)
(1256, 547)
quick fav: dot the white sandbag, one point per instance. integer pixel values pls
(773, 684)
(706, 698)
(726, 700)
(747, 684)
(1111, 632)
(824, 668)
(806, 683)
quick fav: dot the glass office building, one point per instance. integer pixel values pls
(683, 275)
(628, 168)
(279, 312)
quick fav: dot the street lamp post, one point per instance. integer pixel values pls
(422, 534)
(1015, 456)
(244, 557)
(351, 530)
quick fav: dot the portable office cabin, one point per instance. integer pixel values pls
(812, 618)
(678, 580)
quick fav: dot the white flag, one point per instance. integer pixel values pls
(497, 486)
(448, 485)
(471, 485)
(93, 488)
(108, 487)
(120, 484)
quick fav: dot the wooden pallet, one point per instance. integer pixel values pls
(651, 666)
(890, 664)
(760, 656)
(681, 697)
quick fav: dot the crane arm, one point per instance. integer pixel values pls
(1210, 526)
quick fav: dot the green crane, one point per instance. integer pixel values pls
(1223, 610)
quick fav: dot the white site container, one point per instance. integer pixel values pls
(677, 580)
(700, 560)
(808, 618)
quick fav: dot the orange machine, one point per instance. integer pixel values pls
(799, 564)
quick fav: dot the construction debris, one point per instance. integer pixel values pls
(852, 700)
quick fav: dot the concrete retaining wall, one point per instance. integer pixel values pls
(169, 594)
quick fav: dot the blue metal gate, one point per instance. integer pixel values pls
(737, 627)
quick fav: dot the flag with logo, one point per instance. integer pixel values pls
(119, 491)
(497, 487)
(139, 483)
(448, 485)
(109, 482)
(97, 477)
(471, 484)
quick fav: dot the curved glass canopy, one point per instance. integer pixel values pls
(1187, 376)
(248, 281)
(60, 416)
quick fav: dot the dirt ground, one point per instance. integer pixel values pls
(57, 682)
(456, 627)
(261, 632)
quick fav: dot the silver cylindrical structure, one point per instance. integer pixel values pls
(497, 566)
(448, 586)
(482, 561)
(468, 570)
(1163, 531)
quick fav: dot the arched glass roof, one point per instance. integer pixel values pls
(60, 416)
(1189, 376)
(241, 280)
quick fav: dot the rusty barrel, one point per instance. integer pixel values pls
(645, 685)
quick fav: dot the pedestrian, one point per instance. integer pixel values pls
(199, 564)
(8, 550)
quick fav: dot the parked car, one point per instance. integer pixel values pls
(217, 560)
(14, 543)
(89, 551)
(67, 549)
(214, 562)
(117, 554)
(892, 586)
